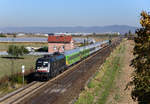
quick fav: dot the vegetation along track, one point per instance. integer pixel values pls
(20, 93)
(66, 86)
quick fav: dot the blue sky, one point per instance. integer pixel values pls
(19, 13)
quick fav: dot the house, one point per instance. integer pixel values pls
(59, 43)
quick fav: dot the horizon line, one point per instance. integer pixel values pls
(67, 26)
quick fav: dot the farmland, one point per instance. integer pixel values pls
(6, 64)
(4, 46)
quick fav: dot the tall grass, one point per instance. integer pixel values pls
(6, 66)
(10, 83)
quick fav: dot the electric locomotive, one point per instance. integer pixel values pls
(50, 65)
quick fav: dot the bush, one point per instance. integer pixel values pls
(17, 51)
(18, 79)
(43, 49)
(2, 35)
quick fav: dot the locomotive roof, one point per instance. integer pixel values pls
(52, 57)
(71, 51)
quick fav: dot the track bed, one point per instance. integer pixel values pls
(68, 86)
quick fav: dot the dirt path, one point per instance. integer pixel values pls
(118, 95)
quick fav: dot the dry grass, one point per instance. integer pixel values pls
(118, 94)
(99, 87)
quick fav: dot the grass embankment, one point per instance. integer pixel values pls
(97, 90)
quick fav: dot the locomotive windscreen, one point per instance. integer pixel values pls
(42, 63)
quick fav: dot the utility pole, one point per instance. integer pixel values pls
(84, 56)
(110, 39)
(64, 43)
(12, 63)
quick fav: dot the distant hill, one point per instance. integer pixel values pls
(98, 29)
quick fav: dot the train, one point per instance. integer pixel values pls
(51, 65)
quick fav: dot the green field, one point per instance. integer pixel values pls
(4, 46)
(6, 64)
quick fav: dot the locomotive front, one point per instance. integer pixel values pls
(42, 68)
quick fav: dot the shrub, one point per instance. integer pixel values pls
(43, 49)
(17, 51)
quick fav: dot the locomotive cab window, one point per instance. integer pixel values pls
(39, 64)
(45, 64)
(42, 64)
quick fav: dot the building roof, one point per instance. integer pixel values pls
(59, 39)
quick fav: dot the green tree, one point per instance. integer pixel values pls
(2, 35)
(141, 62)
(17, 51)
(23, 51)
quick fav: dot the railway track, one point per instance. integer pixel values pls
(49, 92)
(12, 97)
